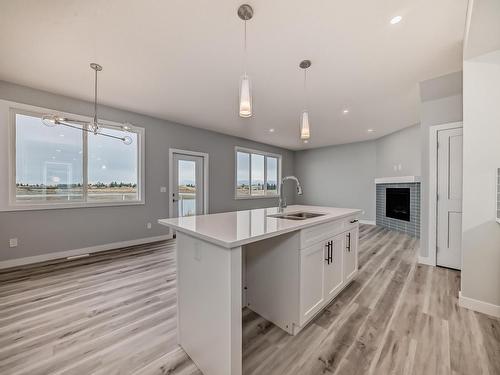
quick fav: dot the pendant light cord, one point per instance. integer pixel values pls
(95, 99)
(305, 89)
(245, 47)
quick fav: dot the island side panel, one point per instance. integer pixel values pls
(210, 305)
(272, 279)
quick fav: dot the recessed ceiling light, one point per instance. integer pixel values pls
(396, 19)
(370, 130)
(345, 111)
(271, 130)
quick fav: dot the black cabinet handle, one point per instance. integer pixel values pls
(354, 221)
(329, 254)
(349, 242)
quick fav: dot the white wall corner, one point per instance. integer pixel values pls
(425, 260)
(75, 252)
(479, 306)
(367, 222)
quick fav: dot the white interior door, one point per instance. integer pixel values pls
(187, 195)
(449, 198)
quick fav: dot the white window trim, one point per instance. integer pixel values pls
(13, 205)
(265, 154)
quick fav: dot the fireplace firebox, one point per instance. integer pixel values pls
(397, 204)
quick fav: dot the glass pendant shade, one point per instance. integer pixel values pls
(245, 97)
(304, 126)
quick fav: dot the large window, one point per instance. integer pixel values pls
(58, 166)
(257, 173)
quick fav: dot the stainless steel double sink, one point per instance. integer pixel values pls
(296, 215)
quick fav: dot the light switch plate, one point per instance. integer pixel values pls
(13, 242)
(163, 189)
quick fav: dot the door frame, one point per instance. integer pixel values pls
(433, 181)
(171, 152)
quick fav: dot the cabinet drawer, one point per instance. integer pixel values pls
(317, 233)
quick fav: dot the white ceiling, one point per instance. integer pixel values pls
(181, 60)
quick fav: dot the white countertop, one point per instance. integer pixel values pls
(237, 228)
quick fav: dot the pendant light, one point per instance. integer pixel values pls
(305, 131)
(245, 12)
(93, 126)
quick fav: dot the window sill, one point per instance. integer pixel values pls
(257, 197)
(59, 206)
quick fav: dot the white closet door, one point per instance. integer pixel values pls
(449, 199)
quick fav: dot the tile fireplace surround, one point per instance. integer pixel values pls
(411, 227)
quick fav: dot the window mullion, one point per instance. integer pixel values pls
(250, 174)
(85, 163)
(265, 175)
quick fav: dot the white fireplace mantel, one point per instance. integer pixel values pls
(397, 180)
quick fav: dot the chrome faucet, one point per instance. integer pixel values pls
(282, 201)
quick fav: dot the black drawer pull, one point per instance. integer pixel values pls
(354, 221)
(329, 255)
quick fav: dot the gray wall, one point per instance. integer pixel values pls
(480, 231)
(341, 176)
(50, 231)
(441, 103)
(344, 175)
(399, 149)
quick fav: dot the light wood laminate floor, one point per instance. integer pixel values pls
(115, 313)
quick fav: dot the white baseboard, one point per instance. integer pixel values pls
(425, 260)
(75, 252)
(479, 306)
(367, 222)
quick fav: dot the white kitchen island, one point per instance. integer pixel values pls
(286, 270)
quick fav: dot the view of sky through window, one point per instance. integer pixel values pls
(49, 163)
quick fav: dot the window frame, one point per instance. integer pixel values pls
(14, 205)
(266, 155)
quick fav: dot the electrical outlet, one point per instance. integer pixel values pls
(163, 189)
(148, 225)
(13, 242)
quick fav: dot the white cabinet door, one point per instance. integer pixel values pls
(350, 250)
(333, 266)
(312, 262)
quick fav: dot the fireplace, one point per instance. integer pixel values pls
(397, 203)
